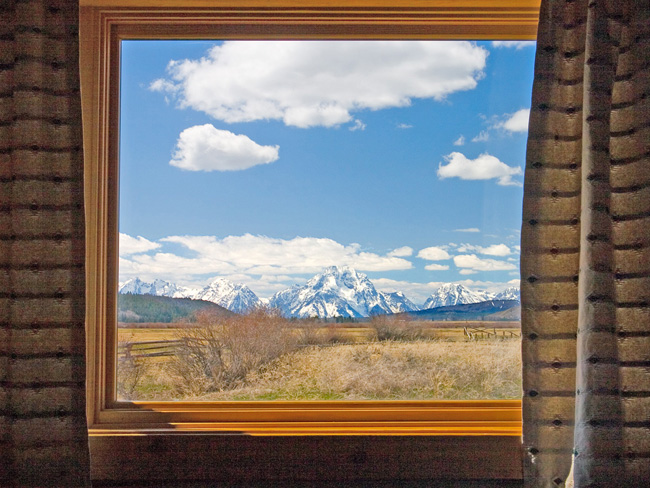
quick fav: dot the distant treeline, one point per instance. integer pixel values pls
(150, 308)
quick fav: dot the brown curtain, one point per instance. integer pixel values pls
(43, 435)
(586, 247)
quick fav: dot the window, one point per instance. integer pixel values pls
(345, 180)
(103, 26)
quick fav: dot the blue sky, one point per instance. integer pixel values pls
(264, 162)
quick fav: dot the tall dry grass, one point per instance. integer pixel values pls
(394, 328)
(221, 351)
(422, 370)
(263, 356)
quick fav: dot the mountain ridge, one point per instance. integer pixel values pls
(338, 291)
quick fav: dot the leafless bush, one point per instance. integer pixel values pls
(310, 335)
(387, 370)
(130, 372)
(221, 351)
(392, 328)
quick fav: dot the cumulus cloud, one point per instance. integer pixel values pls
(482, 136)
(404, 126)
(419, 292)
(255, 255)
(485, 167)
(135, 245)
(358, 125)
(205, 148)
(436, 267)
(401, 252)
(467, 271)
(516, 122)
(264, 286)
(474, 263)
(433, 254)
(319, 83)
(513, 44)
(470, 229)
(460, 141)
(493, 250)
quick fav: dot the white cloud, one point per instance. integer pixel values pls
(493, 250)
(401, 252)
(467, 271)
(135, 245)
(419, 292)
(205, 148)
(474, 263)
(162, 85)
(254, 255)
(264, 286)
(319, 83)
(416, 292)
(471, 229)
(436, 267)
(513, 44)
(433, 254)
(358, 125)
(516, 122)
(485, 167)
(460, 141)
(483, 136)
(404, 126)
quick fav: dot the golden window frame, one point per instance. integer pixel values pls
(103, 24)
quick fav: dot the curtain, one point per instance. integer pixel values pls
(43, 434)
(586, 248)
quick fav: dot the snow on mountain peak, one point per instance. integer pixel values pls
(454, 294)
(510, 293)
(338, 291)
(235, 297)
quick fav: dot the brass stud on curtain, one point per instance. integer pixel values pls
(586, 247)
(43, 434)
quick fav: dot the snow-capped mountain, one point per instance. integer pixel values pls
(159, 288)
(235, 297)
(510, 293)
(398, 302)
(454, 294)
(336, 292)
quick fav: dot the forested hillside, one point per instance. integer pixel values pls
(150, 308)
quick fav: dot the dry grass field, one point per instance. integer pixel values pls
(372, 361)
(420, 370)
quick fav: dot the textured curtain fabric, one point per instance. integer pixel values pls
(586, 248)
(43, 435)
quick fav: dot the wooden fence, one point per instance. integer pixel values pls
(475, 333)
(147, 349)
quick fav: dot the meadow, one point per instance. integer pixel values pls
(266, 357)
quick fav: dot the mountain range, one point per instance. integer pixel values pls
(338, 291)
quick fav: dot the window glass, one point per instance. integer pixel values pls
(321, 220)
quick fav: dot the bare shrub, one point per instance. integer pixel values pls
(221, 351)
(393, 328)
(311, 335)
(418, 370)
(130, 372)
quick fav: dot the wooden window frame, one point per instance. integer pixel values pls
(103, 24)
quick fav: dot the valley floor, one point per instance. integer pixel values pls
(421, 369)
